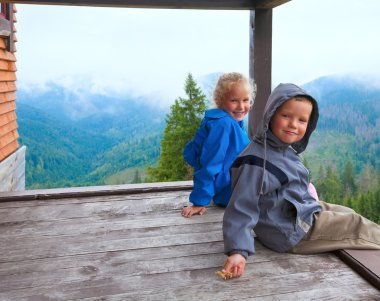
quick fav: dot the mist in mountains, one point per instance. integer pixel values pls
(80, 137)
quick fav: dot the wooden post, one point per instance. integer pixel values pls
(260, 63)
(12, 171)
(10, 41)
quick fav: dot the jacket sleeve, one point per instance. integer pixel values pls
(213, 153)
(242, 212)
(189, 154)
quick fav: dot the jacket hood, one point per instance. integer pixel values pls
(281, 94)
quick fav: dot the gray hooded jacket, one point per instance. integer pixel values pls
(270, 187)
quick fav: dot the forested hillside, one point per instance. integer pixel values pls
(349, 125)
(348, 129)
(86, 143)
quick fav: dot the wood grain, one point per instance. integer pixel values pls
(139, 247)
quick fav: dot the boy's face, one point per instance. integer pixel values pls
(236, 102)
(290, 121)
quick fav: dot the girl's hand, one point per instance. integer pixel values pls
(190, 211)
(234, 265)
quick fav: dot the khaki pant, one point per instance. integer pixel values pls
(338, 227)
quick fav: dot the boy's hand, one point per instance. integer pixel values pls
(235, 265)
(190, 211)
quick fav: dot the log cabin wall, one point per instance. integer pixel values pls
(12, 158)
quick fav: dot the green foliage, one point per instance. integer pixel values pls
(182, 121)
(348, 179)
(344, 190)
(129, 175)
(330, 188)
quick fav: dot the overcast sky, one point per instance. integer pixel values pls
(151, 51)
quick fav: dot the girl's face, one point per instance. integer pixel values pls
(290, 121)
(236, 102)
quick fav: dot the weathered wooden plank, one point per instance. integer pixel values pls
(110, 231)
(190, 4)
(202, 282)
(15, 229)
(88, 243)
(106, 190)
(15, 179)
(105, 271)
(148, 266)
(138, 247)
(99, 211)
(149, 197)
(114, 258)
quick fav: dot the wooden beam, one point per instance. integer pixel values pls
(190, 4)
(365, 262)
(268, 4)
(260, 63)
(57, 193)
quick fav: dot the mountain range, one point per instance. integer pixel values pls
(78, 138)
(86, 142)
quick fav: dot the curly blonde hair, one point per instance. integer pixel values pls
(225, 83)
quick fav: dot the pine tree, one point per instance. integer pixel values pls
(306, 164)
(182, 122)
(369, 178)
(320, 180)
(136, 177)
(331, 188)
(348, 180)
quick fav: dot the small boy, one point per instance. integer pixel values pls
(270, 191)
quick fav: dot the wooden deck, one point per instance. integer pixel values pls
(133, 244)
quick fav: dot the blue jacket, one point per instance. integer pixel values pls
(216, 144)
(270, 187)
